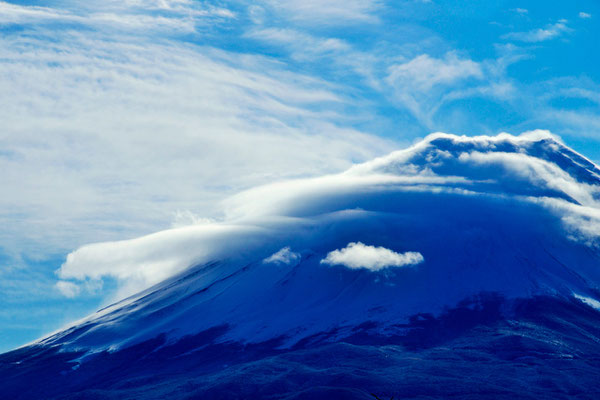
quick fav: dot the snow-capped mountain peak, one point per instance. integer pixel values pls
(474, 226)
(506, 214)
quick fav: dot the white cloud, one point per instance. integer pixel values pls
(420, 83)
(580, 122)
(68, 289)
(183, 218)
(581, 222)
(336, 53)
(13, 13)
(542, 34)
(107, 137)
(521, 11)
(412, 168)
(144, 261)
(328, 12)
(284, 256)
(358, 255)
(539, 172)
(424, 72)
(301, 42)
(568, 88)
(142, 17)
(585, 15)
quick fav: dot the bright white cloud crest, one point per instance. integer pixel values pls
(358, 255)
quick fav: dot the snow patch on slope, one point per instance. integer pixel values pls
(595, 304)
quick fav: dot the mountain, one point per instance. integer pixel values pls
(461, 267)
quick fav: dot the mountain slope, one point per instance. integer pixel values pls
(458, 267)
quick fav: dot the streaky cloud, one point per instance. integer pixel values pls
(549, 32)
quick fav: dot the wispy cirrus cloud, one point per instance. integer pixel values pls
(549, 32)
(170, 16)
(68, 289)
(328, 12)
(420, 83)
(303, 44)
(424, 72)
(521, 11)
(105, 119)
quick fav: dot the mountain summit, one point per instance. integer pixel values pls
(461, 266)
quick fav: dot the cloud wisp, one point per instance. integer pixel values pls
(68, 289)
(360, 256)
(285, 256)
(327, 12)
(171, 17)
(549, 32)
(424, 72)
(423, 83)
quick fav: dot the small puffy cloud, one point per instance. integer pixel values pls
(129, 15)
(68, 289)
(585, 15)
(542, 34)
(358, 255)
(284, 256)
(521, 11)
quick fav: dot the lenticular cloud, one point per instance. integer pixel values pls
(358, 255)
(437, 176)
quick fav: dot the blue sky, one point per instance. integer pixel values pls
(122, 118)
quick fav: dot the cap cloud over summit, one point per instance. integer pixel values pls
(534, 168)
